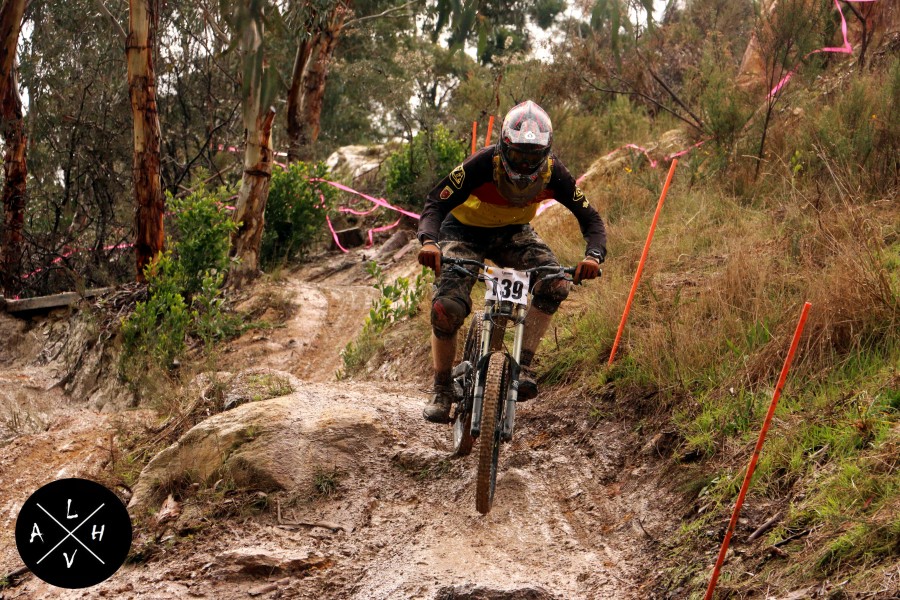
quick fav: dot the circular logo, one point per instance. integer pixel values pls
(73, 533)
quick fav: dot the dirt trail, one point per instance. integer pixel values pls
(567, 521)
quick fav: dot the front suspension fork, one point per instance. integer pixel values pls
(512, 394)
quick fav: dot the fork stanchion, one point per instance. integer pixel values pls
(640, 268)
(756, 451)
(474, 135)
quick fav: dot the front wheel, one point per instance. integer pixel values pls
(495, 384)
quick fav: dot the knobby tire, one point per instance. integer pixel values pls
(489, 444)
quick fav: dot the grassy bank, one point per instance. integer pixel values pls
(733, 260)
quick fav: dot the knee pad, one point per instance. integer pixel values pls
(550, 295)
(447, 316)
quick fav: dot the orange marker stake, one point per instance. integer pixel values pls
(756, 451)
(487, 138)
(474, 133)
(637, 275)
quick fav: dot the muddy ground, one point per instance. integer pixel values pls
(579, 511)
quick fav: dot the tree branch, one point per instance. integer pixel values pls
(205, 146)
(385, 13)
(112, 17)
(650, 99)
(699, 123)
(220, 35)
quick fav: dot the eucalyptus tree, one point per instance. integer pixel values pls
(13, 129)
(320, 24)
(143, 23)
(258, 117)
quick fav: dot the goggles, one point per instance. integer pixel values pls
(525, 163)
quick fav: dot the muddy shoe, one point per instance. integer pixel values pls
(438, 410)
(528, 388)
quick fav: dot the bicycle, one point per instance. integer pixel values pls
(487, 377)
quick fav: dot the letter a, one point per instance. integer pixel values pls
(36, 532)
(69, 561)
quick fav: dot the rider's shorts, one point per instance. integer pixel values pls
(512, 246)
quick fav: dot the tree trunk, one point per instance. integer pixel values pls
(14, 166)
(307, 91)
(15, 190)
(251, 202)
(149, 202)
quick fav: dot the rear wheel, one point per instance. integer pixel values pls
(491, 416)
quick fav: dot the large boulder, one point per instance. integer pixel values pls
(355, 163)
(277, 444)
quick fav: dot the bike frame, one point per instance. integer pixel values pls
(496, 369)
(497, 314)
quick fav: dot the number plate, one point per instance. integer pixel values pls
(512, 285)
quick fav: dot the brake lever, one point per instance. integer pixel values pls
(459, 269)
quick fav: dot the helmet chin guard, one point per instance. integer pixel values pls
(525, 141)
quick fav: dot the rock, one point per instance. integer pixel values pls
(661, 444)
(277, 444)
(263, 589)
(255, 384)
(170, 511)
(356, 162)
(472, 592)
(419, 460)
(265, 562)
(393, 244)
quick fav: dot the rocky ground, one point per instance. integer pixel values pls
(317, 488)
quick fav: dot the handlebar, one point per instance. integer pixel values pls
(458, 265)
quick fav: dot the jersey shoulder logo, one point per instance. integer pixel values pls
(579, 197)
(446, 192)
(457, 176)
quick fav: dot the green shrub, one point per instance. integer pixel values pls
(856, 136)
(398, 300)
(414, 169)
(157, 327)
(210, 321)
(295, 212)
(202, 235)
(184, 288)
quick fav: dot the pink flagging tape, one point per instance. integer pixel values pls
(378, 201)
(61, 257)
(845, 48)
(653, 163)
(335, 235)
(379, 229)
(360, 213)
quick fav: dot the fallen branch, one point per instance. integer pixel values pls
(765, 527)
(792, 537)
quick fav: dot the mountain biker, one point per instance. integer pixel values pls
(482, 209)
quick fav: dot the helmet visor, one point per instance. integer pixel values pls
(523, 162)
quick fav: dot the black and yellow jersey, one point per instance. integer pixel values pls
(478, 194)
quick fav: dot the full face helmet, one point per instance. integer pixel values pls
(525, 140)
